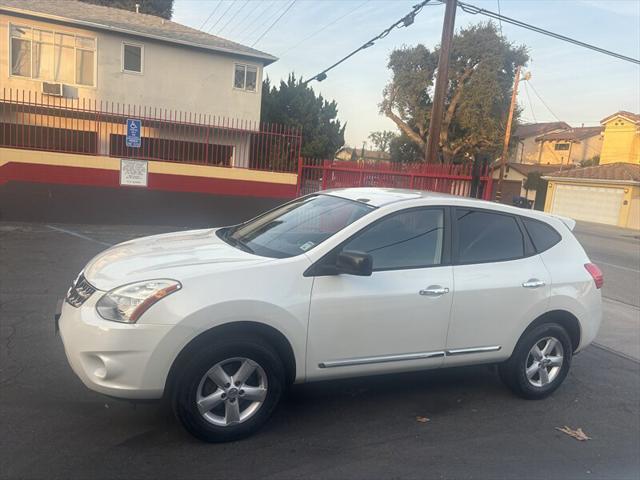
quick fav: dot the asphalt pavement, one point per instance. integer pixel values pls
(53, 427)
(617, 252)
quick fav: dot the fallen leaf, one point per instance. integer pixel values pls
(422, 419)
(578, 434)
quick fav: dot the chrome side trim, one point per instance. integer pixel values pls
(381, 359)
(463, 351)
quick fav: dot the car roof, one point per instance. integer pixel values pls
(379, 197)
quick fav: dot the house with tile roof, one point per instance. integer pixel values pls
(570, 146)
(525, 149)
(555, 143)
(608, 194)
(71, 49)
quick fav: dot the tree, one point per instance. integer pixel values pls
(481, 73)
(381, 140)
(295, 104)
(403, 150)
(591, 162)
(159, 8)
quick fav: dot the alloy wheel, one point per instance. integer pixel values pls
(231, 391)
(544, 361)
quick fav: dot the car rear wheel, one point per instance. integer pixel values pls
(540, 362)
(228, 389)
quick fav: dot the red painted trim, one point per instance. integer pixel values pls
(29, 172)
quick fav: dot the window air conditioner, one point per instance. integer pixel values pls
(49, 88)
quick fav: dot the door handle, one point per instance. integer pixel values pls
(533, 283)
(434, 291)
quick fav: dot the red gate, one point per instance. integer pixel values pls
(315, 175)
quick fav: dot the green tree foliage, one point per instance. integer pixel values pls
(591, 162)
(403, 150)
(534, 181)
(295, 104)
(481, 73)
(159, 8)
(381, 140)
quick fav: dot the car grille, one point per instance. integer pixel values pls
(79, 292)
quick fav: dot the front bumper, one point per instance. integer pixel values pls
(116, 359)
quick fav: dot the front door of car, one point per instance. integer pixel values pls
(397, 318)
(501, 286)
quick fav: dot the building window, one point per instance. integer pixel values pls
(245, 77)
(52, 56)
(561, 146)
(132, 57)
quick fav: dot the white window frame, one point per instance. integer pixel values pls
(132, 44)
(75, 57)
(245, 66)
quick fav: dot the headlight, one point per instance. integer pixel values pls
(127, 303)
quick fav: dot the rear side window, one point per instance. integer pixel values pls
(411, 239)
(542, 235)
(487, 237)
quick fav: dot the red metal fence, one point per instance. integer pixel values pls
(315, 175)
(31, 120)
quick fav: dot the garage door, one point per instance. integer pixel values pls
(591, 204)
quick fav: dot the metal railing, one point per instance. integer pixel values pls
(30, 120)
(464, 180)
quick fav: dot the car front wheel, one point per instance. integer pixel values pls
(540, 362)
(228, 389)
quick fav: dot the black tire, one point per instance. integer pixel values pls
(185, 391)
(513, 372)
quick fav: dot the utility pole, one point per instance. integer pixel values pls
(507, 133)
(442, 81)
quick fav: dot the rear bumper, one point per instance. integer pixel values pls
(113, 358)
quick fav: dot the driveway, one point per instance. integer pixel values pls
(53, 427)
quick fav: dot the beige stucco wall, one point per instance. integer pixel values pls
(526, 151)
(621, 141)
(174, 77)
(582, 150)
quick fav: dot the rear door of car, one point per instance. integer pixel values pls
(500, 285)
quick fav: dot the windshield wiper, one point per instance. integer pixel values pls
(238, 243)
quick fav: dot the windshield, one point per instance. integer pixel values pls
(296, 227)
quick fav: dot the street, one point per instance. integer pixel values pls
(617, 252)
(53, 427)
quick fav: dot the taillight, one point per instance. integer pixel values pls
(596, 274)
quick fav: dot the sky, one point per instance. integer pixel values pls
(568, 82)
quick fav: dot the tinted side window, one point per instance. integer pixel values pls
(487, 237)
(543, 236)
(410, 239)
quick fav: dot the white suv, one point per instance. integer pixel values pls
(342, 283)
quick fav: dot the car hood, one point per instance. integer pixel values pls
(171, 255)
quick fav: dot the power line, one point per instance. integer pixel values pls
(405, 21)
(215, 9)
(274, 23)
(232, 17)
(253, 13)
(543, 102)
(472, 9)
(333, 22)
(221, 17)
(526, 90)
(265, 19)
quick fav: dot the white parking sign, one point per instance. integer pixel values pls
(133, 172)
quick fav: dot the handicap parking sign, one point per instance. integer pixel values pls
(133, 132)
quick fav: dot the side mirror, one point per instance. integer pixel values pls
(354, 263)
